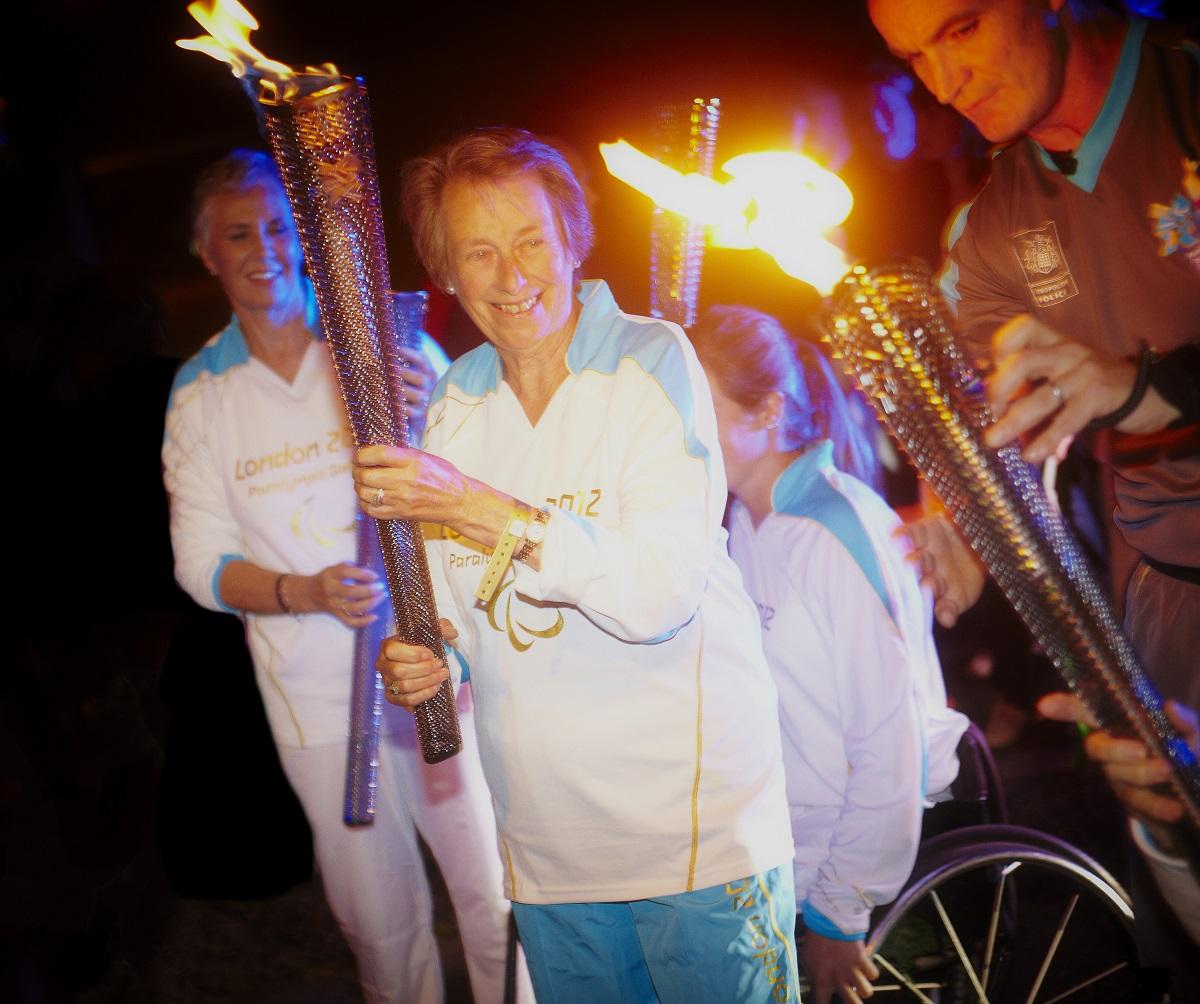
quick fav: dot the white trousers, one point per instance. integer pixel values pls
(374, 878)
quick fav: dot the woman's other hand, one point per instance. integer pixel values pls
(419, 380)
(412, 674)
(844, 967)
(343, 591)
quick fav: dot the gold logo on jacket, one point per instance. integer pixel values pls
(515, 628)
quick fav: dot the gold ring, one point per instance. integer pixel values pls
(394, 689)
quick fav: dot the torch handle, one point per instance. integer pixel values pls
(417, 624)
(366, 696)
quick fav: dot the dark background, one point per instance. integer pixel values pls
(106, 122)
(117, 697)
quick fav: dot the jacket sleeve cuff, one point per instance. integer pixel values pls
(1149, 847)
(1173, 878)
(816, 921)
(464, 669)
(224, 560)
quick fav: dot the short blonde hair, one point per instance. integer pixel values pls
(237, 171)
(489, 154)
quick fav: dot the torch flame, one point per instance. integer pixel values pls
(782, 203)
(229, 24)
(701, 199)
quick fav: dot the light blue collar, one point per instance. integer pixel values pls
(795, 480)
(1098, 140)
(594, 324)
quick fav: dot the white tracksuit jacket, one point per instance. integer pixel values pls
(259, 469)
(626, 716)
(866, 730)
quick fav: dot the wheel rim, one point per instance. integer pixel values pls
(993, 922)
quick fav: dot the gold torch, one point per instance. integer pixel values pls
(319, 127)
(890, 329)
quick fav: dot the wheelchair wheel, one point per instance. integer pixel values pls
(1000, 914)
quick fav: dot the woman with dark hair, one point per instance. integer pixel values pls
(862, 705)
(626, 715)
(256, 460)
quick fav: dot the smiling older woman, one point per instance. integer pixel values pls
(625, 712)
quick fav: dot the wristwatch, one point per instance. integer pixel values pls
(535, 533)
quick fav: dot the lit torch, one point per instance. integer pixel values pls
(783, 203)
(892, 332)
(319, 127)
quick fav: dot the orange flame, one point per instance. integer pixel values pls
(782, 203)
(229, 24)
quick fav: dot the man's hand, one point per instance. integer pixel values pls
(1130, 769)
(1047, 382)
(946, 566)
(842, 966)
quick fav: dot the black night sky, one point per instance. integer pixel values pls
(106, 122)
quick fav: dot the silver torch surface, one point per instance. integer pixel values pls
(323, 144)
(890, 329)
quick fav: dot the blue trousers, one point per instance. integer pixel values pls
(725, 944)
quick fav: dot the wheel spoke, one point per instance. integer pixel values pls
(1086, 983)
(955, 930)
(958, 947)
(909, 985)
(1054, 943)
(994, 922)
(892, 988)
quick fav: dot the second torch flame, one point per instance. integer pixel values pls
(782, 203)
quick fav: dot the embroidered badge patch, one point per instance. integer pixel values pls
(1177, 225)
(1041, 257)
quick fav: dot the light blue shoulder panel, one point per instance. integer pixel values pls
(228, 350)
(476, 373)
(605, 336)
(802, 490)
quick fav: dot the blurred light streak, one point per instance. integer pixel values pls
(781, 203)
